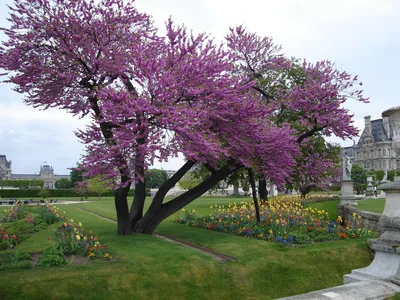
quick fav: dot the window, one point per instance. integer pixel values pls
(380, 165)
(372, 153)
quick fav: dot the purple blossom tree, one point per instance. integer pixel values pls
(149, 97)
(307, 97)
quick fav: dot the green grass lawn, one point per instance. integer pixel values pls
(374, 205)
(151, 268)
(330, 206)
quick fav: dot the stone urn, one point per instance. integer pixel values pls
(393, 114)
(386, 263)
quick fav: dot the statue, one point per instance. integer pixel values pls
(346, 163)
(385, 176)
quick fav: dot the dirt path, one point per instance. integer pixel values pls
(222, 258)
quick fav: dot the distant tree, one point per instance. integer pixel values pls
(64, 183)
(319, 160)
(391, 174)
(35, 183)
(246, 186)
(379, 174)
(76, 176)
(44, 193)
(189, 181)
(154, 178)
(22, 183)
(359, 176)
(187, 184)
(98, 185)
(81, 189)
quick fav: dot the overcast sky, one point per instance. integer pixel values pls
(361, 37)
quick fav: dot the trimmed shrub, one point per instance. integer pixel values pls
(58, 193)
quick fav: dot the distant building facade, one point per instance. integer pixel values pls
(170, 173)
(46, 173)
(374, 148)
(5, 168)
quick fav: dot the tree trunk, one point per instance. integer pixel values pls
(156, 204)
(121, 207)
(305, 189)
(262, 190)
(254, 193)
(160, 211)
(136, 212)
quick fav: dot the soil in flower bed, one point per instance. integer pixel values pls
(73, 259)
(78, 259)
(14, 260)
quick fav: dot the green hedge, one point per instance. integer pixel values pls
(58, 193)
(30, 183)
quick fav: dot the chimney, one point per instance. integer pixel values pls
(367, 129)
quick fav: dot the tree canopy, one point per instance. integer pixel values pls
(151, 96)
(28, 183)
(155, 178)
(96, 185)
(76, 175)
(359, 176)
(64, 183)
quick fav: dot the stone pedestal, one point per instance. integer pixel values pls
(370, 189)
(386, 264)
(347, 193)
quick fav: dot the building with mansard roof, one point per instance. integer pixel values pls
(5, 168)
(46, 173)
(374, 148)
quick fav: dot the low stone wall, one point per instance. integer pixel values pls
(362, 290)
(369, 220)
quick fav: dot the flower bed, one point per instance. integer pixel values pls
(285, 221)
(309, 198)
(71, 238)
(21, 221)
